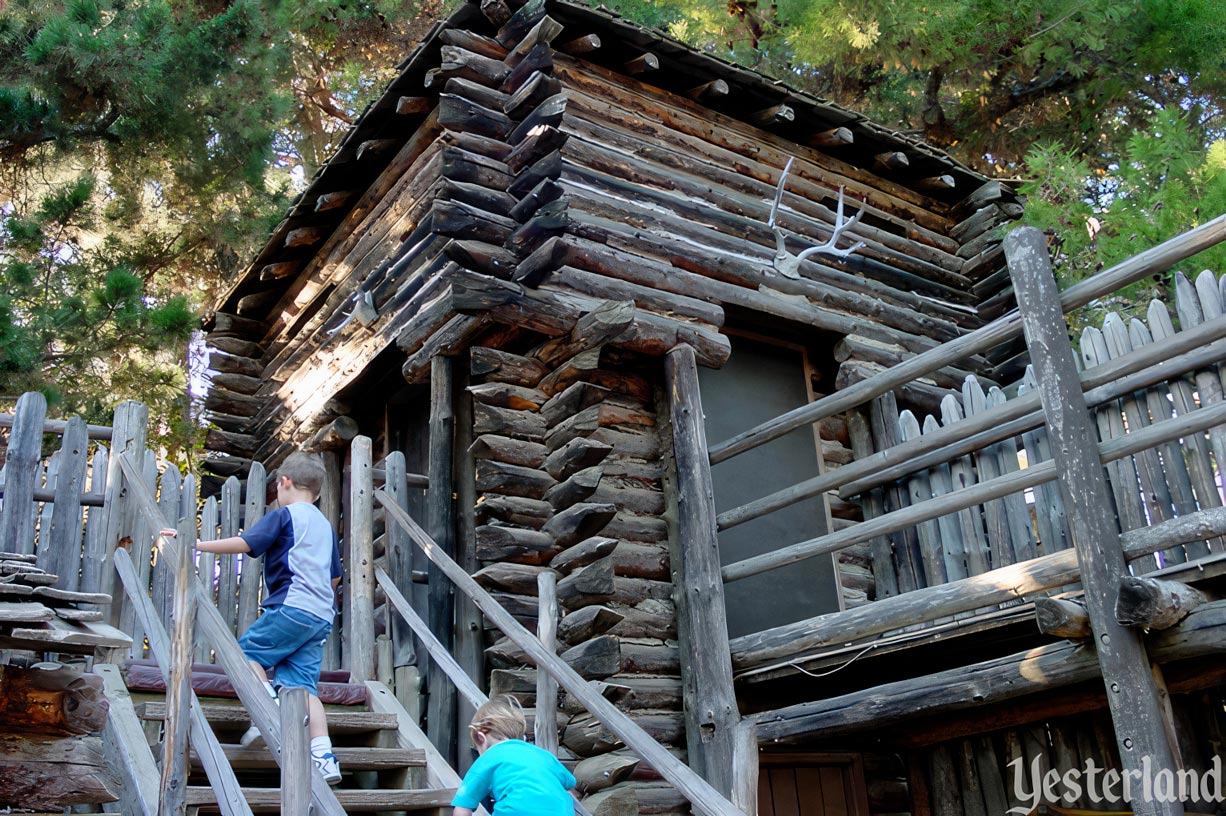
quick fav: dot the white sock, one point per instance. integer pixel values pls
(272, 692)
(321, 746)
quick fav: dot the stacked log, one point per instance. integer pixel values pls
(569, 478)
(51, 755)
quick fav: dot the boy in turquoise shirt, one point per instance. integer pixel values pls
(519, 778)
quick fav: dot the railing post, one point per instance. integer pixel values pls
(130, 426)
(1132, 692)
(360, 564)
(295, 753)
(711, 715)
(173, 796)
(22, 472)
(546, 726)
(440, 521)
(252, 568)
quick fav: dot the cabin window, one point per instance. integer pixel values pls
(762, 380)
(812, 785)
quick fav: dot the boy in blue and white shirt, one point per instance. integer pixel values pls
(302, 567)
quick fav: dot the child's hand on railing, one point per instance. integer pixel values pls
(168, 533)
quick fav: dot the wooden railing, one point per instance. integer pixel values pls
(958, 485)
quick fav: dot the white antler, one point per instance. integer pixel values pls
(788, 264)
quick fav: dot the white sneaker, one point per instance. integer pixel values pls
(251, 737)
(328, 767)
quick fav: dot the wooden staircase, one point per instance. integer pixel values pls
(384, 769)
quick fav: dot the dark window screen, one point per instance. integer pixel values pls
(762, 381)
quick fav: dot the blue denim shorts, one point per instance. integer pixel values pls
(290, 643)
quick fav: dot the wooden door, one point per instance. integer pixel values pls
(811, 785)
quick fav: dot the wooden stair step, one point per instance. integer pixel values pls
(268, 800)
(235, 716)
(253, 758)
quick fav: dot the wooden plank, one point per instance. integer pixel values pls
(179, 683)
(1140, 723)
(296, 767)
(95, 526)
(469, 645)
(24, 612)
(359, 558)
(61, 550)
(353, 800)
(227, 565)
(442, 713)
(124, 741)
(206, 564)
(710, 702)
(330, 506)
(22, 462)
(253, 568)
(692, 786)
(545, 726)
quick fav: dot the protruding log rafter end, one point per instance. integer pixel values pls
(375, 147)
(1153, 603)
(496, 11)
(642, 64)
(891, 160)
(277, 271)
(835, 137)
(306, 236)
(774, 115)
(580, 45)
(715, 89)
(1062, 618)
(414, 105)
(936, 183)
(334, 201)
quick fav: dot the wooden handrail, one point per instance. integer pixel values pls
(58, 426)
(259, 705)
(1109, 451)
(705, 798)
(1129, 372)
(1001, 330)
(229, 792)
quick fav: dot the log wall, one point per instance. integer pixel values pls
(569, 469)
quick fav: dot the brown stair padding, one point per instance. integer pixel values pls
(353, 800)
(350, 758)
(235, 717)
(210, 681)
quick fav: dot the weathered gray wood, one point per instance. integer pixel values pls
(711, 711)
(1208, 381)
(676, 772)
(227, 565)
(546, 724)
(22, 468)
(440, 520)
(175, 746)
(1062, 618)
(296, 767)
(62, 549)
(1132, 693)
(253, 568)
(979, 340)
(95, 526)
(330, 501)
(1152, 603)
(360, 564)
(399, 555)
(125, 743)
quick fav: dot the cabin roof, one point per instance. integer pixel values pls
(681, 67)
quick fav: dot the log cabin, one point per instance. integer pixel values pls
(559, 270)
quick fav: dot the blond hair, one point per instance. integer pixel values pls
(304, 471)
(501, 717)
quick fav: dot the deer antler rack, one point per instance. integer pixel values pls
(788, 264)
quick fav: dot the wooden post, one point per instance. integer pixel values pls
(546, 725)
(711, 715)
(127, 436)
(173, 793)
(360, 565)
(60, 554)
(330, 506)
(469, 647)
(1132, 693)
(295, 753)
(440, 521)
(253, 568)
(21, 466)
(399, 556)
(745, 767)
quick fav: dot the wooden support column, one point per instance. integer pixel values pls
(1132, 692)
(296, 766)
(469, 628)
(440, 521)
(330, 506)
(360, 564)
(711, 716)
(173, 792)
(546, 725)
